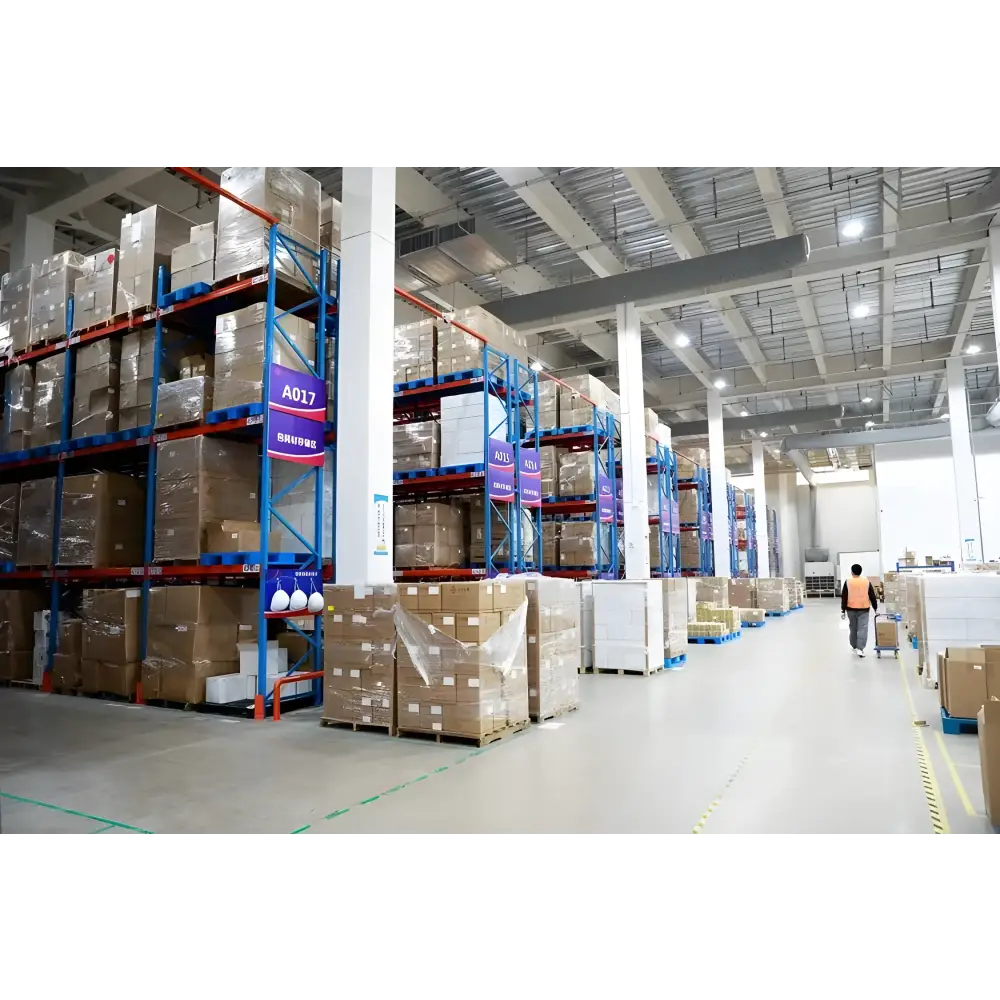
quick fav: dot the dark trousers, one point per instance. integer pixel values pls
(859, 627)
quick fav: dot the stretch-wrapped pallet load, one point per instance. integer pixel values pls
(416, 446)
(96, 383)
(193, 263)
(462, 658)
(428, 534)
(102, 520)
(287, 193)
(147, 240)
(714, 590)
(199, 480)
(628, 625)
(798, 593)
(457, 351)
(549, 468)
(550, 543)
(576, 474)
(240, 345)
(743, 593)
(576, 399)
(414, 351)
(690, 550)
(94, 290)
(193, 635)
(675, 617)
(110, 660)
(687, 506)
(548, 404)
(52, 290)
(553, 634)
(185, 401)
(138, 354)
(15, 309)
(10, 507)
(18, 408)
(773, 594)
(752, 615)
(587, 624)
(580, 543)
(35, 522)
(689, 460)
(707, 629)
(464, 428)
(652, 422)
(895, 593)
(66, 663)
(17, 612)
(47, 401)
(359, 655)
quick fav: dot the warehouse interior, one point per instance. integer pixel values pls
(459, 499)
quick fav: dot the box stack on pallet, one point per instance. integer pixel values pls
(774, 596)
(675, 620)
(553, 637)
(628, 626)
(17, 633)
(743, 595)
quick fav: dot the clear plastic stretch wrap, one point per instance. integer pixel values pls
(457, 351)
(416, 445)
(52, 289)
(576, 474)
(15, 308)
(138, 355)
(185, 401)
(773, 594)
(35, 524)
(894, 594)
(94, 290)
(414, 351)
(193, 635)
(359, 654)
(147, 239)
(17, 611)
(10, 506)
(111, 641)
(550, 543)
(580, 542)
(102, 520)
(714, 590)
(549, 456)
(462, 669)
(199, 480)
(18, 408)
(239, 353)
(690, 550)
(66, 672)
(628, 625)
(95, 388)
(429, 534)
(193, 263)
(288, 194)
(47, 401)
(548, 403)
(554, 637)
(297, 506)
(687, 506)
(675, 617)
(576, 397)
(587, 623)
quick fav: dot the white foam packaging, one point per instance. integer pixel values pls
(225, 688)
(277, 658)
(628, 625)
(587, 623)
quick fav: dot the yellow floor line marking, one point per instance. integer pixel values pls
(700, 825)
(935, 805)
(959, 787)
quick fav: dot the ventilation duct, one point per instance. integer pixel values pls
(422, 253)
(475, 246)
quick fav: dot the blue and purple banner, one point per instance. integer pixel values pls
(297, 410)
(529, 478)
(500, 470)
(605, 499)
(620, 499)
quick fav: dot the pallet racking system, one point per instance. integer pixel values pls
(702, 526)
(135, 450)
(667, 518)
(746, 513)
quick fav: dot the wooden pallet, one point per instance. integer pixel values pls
(360, 727)
(9, 682)
(463, 738)
(545, 716)
(635, 673)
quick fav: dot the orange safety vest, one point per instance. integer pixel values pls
(857, 593)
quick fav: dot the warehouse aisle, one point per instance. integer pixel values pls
(782, 730)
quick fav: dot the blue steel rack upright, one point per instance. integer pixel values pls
(747, 513)
(529, 519)
(666, 520)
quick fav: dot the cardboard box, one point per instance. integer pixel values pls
(102, 523)
(236, 536)
(66, 674)
(35, 524)
(111, 625)
(147, 239)
(988, 718)
(964, 690)
(886, 634)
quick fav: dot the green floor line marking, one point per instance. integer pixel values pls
(72, 812)
(104, 829)
(338, 812)
(365, 802)
(302, 829)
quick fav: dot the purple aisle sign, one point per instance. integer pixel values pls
(620, 499)
(294, 439)
(500, 469)
(529, 478)
(299, 395)
(605, 500)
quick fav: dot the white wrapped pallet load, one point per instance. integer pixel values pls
(628, 625)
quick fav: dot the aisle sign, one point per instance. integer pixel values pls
(620, 499)
(297, 411)
(500, 470)
(529, 478)
(605, 499)
(296, 393)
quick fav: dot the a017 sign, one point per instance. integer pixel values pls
(297, 410)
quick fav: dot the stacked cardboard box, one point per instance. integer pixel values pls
(707, 630)
(579, 543)
(428, 534)
(498, 335)
(66, 669)
(498, 533)
(457, 351)
(200, 480)
(193, 263)
(462, 658)
(886, 634)
(553, 632)
(576, 474)
(675, 617)
(690, 550)
(628, 625)
(687, 506)
(798, 591)
(35, 522)
(773, 594)
(111, 641)
(729, 617)
(290, 195)
(549, 456)
(94, 290)
(989, 758)
(743, 593)
(414, 351)
(231, 535)
(18, 408)
(95, 388)
(550, 543)
(713, 590)
(463, 428)
(193, 635)
(185, 401)
(963, 680)
(147, 240)
(689, 461)
(548, 404)
(359, 660)
(576, 399)
(15, 309)
(52, 288)
(416, 446)
(42, 621)
(102, 520)
(240, 344)
(652, 422)
(17, 612)
(894, 593)
(751, 614)
(10, 507)
(136, 372)
(47, 401)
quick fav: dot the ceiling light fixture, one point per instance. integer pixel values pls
(719, 383)
(946, 416)
(536, 365)
(973, 349)
(852, 229)
(682, 340)
(867, 399)
(763, 434)
(860, 311)
(869, 423)
(743, 413)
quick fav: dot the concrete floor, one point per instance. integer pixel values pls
(781, 731)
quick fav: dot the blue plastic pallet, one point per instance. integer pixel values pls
(234, 413)
(576, 496)
(797, 607)
(6, 567)
(424, 383)
(274, 559)
(776, 614)
(675, 661)
(185, 293)
(752, 624)
(714, 640)
(913, 641)
(898, 618)
(954, 726)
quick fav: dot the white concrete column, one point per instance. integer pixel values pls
(760, 506)
(33, 239)
(720, 503)
(364, 377)
(966, 487)
(634, 496)
(994, 254)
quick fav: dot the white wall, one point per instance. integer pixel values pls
(846, 517)
(986, 449)
(781, 497)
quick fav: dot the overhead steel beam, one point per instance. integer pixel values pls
(812, 415)
(891, 187)
(880, 435)
(802, 464)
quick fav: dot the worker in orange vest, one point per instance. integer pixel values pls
(855, 599)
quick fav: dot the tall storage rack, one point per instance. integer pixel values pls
(734, 550)
(702, 525)
(746, 513)
(666, 520)
(135, 450)
(774, 554)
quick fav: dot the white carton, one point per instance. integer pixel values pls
(225, 688)
(277, 658)
(628, 625)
